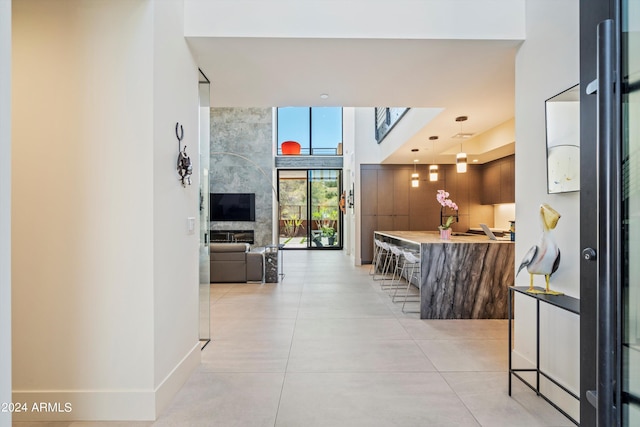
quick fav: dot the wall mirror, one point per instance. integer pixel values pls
(562, 113)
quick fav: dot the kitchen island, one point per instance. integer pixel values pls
(466, 277)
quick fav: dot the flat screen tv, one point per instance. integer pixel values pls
(233, 206)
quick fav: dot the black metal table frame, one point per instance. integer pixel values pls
(563, 302)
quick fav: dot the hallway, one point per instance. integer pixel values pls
(326, 347)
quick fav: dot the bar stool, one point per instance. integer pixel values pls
(396, 256)
(388, 261)
(405, 269)
(381, 258)
(374, 262)
(412, 265)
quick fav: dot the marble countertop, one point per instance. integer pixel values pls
(419, 237)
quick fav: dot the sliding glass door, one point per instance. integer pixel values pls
(293, 196)
(324, 197)
(310, 216)
(630, 115)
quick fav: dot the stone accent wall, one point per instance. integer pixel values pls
(242, 162)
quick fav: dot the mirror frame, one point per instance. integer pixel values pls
(562, 129)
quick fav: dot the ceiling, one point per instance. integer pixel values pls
(462, 77)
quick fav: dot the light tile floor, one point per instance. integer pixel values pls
(327, 347)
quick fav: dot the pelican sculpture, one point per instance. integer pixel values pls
(543, 258)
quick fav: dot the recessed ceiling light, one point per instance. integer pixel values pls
(324, 95)
(475, 160)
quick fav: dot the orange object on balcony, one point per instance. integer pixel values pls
(290, 147)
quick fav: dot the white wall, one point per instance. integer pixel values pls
(405, 130)
(5, 208)
(367, 151)
(105, 294)
(546, 64)
(176, 252)
(502, 214)
(488, 19)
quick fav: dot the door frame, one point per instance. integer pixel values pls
(340, 219)
(600, 229)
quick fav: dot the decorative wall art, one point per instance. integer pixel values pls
(185, 167)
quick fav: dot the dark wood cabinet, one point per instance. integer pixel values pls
(369, 192)
(385, 191)
(401, 187)
(491, 183)
(390, 203)
(385, 202)
(498, 181)
(368, 225)
(508, 182)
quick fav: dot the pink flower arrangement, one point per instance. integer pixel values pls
(443, 198)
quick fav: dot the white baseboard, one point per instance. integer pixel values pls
(174, 381)
(104, 405)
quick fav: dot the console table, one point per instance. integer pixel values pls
(562, 302)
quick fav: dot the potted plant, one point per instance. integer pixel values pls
(445, 227)
(330, 234)
(292, 225)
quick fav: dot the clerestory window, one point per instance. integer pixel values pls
(318, 130)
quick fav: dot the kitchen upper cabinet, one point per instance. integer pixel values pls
(498, 181)
(491, 183)
(508, 181)
(401, 185)
(385, 191)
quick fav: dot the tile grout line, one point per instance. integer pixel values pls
(286, 367)
(473, 415)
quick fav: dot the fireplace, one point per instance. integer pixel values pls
(232, 236)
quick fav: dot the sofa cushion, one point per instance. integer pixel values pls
(228, 256)
(254, 266)
(228, 272)
(229, 247)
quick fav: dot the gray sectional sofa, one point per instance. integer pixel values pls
(235, 263)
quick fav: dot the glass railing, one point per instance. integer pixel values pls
(386, 119)
(318, 151)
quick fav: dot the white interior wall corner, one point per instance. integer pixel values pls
(5, 209)
(176, 250)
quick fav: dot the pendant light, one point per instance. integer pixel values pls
(433, 168)
(461, 157)
(461, 161)
(415, 178)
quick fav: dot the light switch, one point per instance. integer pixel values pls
(191, 225)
